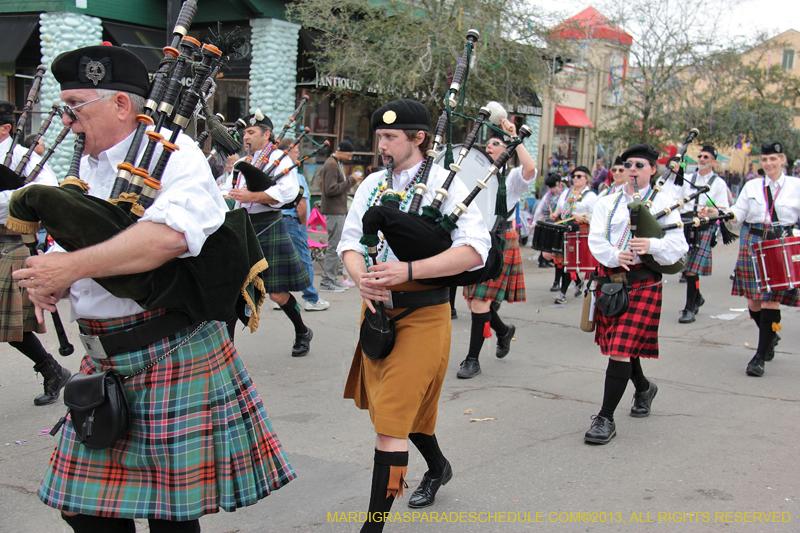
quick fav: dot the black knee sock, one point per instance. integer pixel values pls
(770, 325)
(31, 347)
(617, 376)
(559, 273)
(498, 325)
(428, 446)
(453, 292)
(94, 524)
(637, 376)
(388, 481)
(292, 310)
(566, 279)
(756, 316)
(692, 286)
(480, 330)
(167, 526)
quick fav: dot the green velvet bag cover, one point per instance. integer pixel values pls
(648, 227)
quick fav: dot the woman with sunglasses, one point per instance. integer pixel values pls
(576, 204)
(633, 333)
(770, 206)
(618, 179)
(510, 286)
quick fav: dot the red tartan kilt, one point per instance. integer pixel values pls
(635, 333)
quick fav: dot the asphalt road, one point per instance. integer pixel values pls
(717, 442)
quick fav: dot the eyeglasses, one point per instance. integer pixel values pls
(703, 157)
(580, 176)
(617, 170)
(70, 110)
(629, 164)
(495, 143)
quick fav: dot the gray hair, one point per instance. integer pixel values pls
(136, 100)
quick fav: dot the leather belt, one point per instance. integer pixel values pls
(137, 337)
(628, 278)
(413, 300)
(503, 227)
(291, 216)
(10, 238)
(265, 216)
(772, 233)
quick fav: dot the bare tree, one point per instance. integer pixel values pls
(411, 48)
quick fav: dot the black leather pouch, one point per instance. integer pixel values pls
(613, 299)
(98, 408)
(377, 334)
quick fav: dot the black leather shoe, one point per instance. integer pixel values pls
(302, 343)
(602, 430)
(504, 342)
(683, 278)
(453, 314)
(556, 287)
(642, 401)
(770, 355)
(756, 366)
(469, 369)
(698, 302)
(425, 494)
(686, 316)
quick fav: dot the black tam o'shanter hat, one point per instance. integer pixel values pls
(643, 151)
(402, 114)
(771, 148)
(102, 67)
(257, 119)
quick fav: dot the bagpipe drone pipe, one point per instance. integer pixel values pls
(413, 236)
(220, 282)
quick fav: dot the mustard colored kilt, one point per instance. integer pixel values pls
(744, 283)
(635, 332)
(510, 286)
(200, 438)
(17, 313)
(402, 390)
(698, 259)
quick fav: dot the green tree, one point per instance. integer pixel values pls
(411, 48)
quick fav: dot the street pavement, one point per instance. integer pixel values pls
(718, 453)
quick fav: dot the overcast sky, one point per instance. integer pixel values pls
(772, 16)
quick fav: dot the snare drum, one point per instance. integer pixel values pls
(577, 257)
(777, 264)
(549, 237)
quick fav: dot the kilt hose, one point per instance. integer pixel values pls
(744, 283)
(634, 333)
(510, 286)
(285, 272)
(698, 259)
(200, 438)
(17, 314)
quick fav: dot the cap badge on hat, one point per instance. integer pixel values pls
(389, 117)
(778, 148)
(95, 71)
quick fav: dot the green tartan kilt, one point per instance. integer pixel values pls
(285, 272)
(200, 438)
(17, 313)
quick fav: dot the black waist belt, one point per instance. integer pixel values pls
(10, 238)
(772, 233)
(137, 337)
(503, 227)
(265, 216)
(400, 300)
(291, 216)
(629, 278)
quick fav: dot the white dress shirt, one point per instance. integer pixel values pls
(471, 229)
(284, 191)
(718, 192)
(189, 202)
(583, 207)
(516, 185)
(666, 251)
(45, 177)
(751, 206)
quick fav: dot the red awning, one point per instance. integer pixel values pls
(572, 117)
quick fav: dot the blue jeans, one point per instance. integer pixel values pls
(299, 236)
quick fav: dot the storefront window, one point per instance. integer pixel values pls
(230, 99)
(357, 130)
(320, 116)
(565, 146)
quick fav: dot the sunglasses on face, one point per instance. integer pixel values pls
(496, 143)
(703, 157)
(579, 176)
(630, 164)
(617, 170)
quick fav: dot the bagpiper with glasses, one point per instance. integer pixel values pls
(17, 320)
(618, 179)
(770, 206)
(631, 332)
(575, 204)
(698, 260)
(483, 299)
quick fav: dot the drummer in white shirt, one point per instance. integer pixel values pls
(770, 206)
